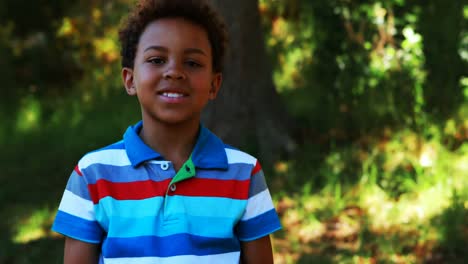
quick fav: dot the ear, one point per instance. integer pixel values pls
(127, 77)
(215, 85)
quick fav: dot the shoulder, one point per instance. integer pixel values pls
(236, 156)
(113, 154)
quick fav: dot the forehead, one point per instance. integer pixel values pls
(174, 34)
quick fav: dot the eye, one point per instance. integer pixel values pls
(193, 64)
(156, 61)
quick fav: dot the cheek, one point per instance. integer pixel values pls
(147, 77)
(201, 82)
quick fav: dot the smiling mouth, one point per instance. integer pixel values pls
(173, 95)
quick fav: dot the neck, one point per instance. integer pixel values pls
(174, 142)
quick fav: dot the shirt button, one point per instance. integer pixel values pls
(173, 187)
(165, 165)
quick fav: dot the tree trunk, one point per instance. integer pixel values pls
(441, 24)
(248, 112)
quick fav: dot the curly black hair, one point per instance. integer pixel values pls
(195, 11)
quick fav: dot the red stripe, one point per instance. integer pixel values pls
(147, 189)
(213, 188)
(256, 169)
(77, 170)
(127, 190)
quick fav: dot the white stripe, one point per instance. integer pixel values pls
(232, 257)
(116, 157)
(237, 156)
(257, 205)
(159, 162)
(77, 206)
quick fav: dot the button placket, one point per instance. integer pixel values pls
(186, 171)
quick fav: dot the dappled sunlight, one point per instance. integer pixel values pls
(414, 208)
(106, 49)
(312, 227)
(281, 167)
(34, 225)
(29, 115)
(371, 219)
(464, 81)
(67, 28)
(461, 165)
(428, 156)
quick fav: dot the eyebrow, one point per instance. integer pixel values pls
(186, 51)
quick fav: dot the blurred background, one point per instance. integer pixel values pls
(358, 111)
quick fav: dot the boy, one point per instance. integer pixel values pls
(170, 191)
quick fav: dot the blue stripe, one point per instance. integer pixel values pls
(77, 185)
(236, 171)
(128, 173)
(257, 184)
(219, 227)
(196, 206)
(77, 228)
(258, 226)
(181, 244)
(97, 171)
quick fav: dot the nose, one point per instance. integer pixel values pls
(174, 72)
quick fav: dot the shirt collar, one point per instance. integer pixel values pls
(208, 152)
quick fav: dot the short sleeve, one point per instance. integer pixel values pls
(260, 217)
(75, 216)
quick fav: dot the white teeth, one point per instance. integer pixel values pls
(173, 95)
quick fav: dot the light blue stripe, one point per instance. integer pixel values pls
(206, 206)
(109, 207)
(195, 206)
(219, 227)
(77, 185)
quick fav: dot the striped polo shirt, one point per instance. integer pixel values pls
(130, 200)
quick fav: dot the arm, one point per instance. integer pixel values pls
(257, 251)
(79, 252)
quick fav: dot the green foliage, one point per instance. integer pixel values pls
(367, 69)
(453, 221)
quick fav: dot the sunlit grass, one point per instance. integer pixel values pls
(377, 222)
(373, 218)
(412, 208)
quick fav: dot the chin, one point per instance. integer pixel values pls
(176, 120)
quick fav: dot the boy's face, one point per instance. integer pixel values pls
(173, 73)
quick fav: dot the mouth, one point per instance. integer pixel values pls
(172, 95)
